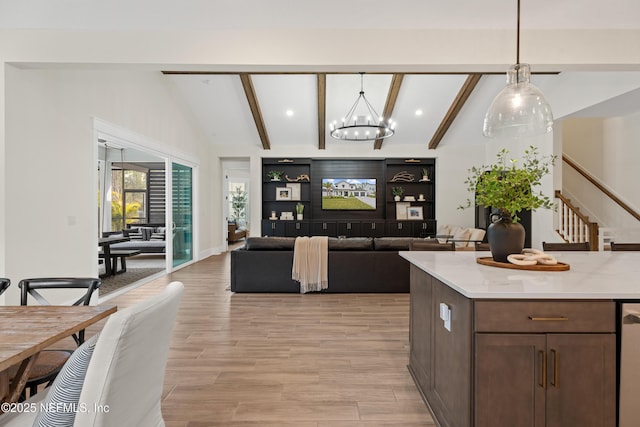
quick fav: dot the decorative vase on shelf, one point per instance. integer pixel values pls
(505, 237)
(396, 198)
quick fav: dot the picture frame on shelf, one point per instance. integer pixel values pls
(283, 193)
(415, 212)
(401, 210)
(295, 190)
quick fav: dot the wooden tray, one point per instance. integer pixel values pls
(560, 266)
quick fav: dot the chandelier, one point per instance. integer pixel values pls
(362, 122)
(520, 108)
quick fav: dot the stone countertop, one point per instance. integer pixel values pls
(593, 275)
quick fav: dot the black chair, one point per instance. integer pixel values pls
(583, 246)
(431, 245)
(625, 246)
(4, 284)
(49, 362)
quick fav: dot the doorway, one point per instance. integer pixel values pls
(236, 206)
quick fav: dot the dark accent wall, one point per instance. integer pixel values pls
(347, 168)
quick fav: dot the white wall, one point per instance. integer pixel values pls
(607, 149)
(51, 177)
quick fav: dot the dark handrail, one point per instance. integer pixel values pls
(600, 187)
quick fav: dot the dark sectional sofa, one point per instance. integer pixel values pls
(356, 264)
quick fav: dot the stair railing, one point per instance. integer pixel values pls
(573, 225)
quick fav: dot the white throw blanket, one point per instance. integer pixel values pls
(310, 263)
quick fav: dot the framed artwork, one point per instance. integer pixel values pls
(283, 193)
(414, 212)
(295, 190)
(401, 210)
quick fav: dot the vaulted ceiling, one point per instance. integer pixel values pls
(248, 106)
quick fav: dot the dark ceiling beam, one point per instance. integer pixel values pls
(322, 109)
(250, 92)
(465, 91)
(392, 96)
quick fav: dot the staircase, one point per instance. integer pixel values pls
(573, 226)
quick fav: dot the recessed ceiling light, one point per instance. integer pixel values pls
(289, 113)
(418, 112)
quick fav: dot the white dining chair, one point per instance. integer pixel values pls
(124, 376)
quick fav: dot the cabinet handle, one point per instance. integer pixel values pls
(273, 225)
(556, 369)
(399, 226)
(543, 370)
(548, 319)
(373, 225)
(297, 226)
(348, 226)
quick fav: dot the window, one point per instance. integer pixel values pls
(129, 197)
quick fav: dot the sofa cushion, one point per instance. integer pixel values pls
(351, 244)
(392, 243)
(269, 243)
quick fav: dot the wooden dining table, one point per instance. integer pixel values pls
(26, 330)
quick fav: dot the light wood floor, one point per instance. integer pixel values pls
(283, 360)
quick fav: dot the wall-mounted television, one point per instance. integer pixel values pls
(349, 194)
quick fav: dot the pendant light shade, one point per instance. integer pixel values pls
(520, 109)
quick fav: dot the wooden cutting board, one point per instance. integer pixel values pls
(560, 266)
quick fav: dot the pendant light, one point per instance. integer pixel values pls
(362, 122)
(520, 109)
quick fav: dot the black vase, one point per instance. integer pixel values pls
(505, 238)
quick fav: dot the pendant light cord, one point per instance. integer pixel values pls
(518, 36)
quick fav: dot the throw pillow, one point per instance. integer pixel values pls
(59, 407)
(135, 236)
(157, 236)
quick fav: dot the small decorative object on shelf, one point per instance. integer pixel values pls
(421, 198)
(299, 178)
(403, 176)
(299, 210)
(397, 193)
(285, 161)
(273, 215)
(414, 212)
(283, 193)
(425, 175)
(275, 175)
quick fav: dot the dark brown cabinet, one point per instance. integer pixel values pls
(552, 380)
(512, 363)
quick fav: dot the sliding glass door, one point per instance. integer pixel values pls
(182, 190)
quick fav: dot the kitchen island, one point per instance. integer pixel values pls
(501, 347)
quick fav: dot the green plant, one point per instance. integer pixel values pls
(299, 208)
(238, 203)
(397, 191)
(425, 172)
(508, 188)
(275, 175)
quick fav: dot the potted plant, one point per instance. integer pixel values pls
(425, 174)
(509, 189)
(397, 193)
(275, 175)
(299, 210)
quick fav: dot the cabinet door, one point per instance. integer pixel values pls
(372, 228)
(324, 228)
(272, 228)
(509, 380)
(421, 314)
(348, 228)
(399, 228)
(296, 228)
(581, 381)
